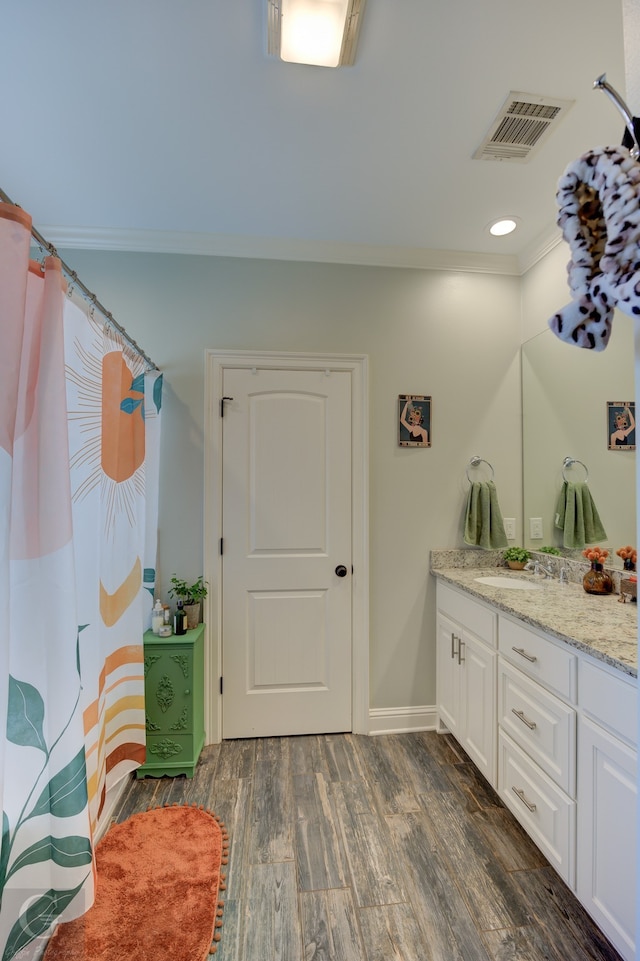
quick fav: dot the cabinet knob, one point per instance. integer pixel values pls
(187, 691)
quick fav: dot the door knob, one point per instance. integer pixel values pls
(341, 570)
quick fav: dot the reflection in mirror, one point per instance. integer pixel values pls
(565, 391)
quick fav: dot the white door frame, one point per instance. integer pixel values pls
(215, 363)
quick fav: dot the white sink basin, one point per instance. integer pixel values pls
(511, 583)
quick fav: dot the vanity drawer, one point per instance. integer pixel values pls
(610, 699)
(540, 723)
(551, 664)
(545, 812)
(468, 612)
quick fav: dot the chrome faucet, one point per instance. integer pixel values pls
(539, 570)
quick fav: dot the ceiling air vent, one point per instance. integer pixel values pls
(522, 125)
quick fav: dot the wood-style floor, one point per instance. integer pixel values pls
(391, 848)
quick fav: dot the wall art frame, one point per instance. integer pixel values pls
(621, 425)
(414, 420)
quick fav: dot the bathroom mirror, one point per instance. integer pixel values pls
(566, 390)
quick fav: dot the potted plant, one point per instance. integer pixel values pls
(516, 557)
(192, 596)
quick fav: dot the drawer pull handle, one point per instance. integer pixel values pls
(520, 793)
(521, 651)
(520, 714)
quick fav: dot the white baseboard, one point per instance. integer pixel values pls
(402, 720)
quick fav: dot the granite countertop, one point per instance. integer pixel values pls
(599, 625)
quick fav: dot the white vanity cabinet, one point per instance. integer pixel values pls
(554, 729)
(537, 718)
(607, 810)
(466, 675)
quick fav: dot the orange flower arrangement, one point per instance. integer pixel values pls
(628, 553)
(597, 555)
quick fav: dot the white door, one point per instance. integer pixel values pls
(286, 562)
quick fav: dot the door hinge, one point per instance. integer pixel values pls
(221, 684)
(222, 545)
(222, 400)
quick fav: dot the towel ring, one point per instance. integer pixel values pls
(475, 461)
(569, 462)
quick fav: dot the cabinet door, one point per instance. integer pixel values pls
(448, 674)
(168, 690)
(478, 695)
(607, 833)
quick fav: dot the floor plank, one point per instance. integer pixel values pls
(376, 874)
(271, 828)
(330, 930)
(392, 933)
(270, 917)
(442, 913)
(318, 846)
(494, 899)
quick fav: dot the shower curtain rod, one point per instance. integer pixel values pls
(88, 294)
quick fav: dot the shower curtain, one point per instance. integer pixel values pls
(78, 530)
(114, 417)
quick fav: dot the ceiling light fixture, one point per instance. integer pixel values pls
(500, 228)
(319, 32)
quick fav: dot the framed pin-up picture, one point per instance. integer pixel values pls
(621, 425)
(414, 420)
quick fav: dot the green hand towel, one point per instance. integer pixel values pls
(483, 525)
(577, 516)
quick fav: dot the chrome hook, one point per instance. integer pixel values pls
(601, 84)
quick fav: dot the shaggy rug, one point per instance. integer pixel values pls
(158, 891)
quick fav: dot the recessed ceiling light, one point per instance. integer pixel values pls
(500, 228)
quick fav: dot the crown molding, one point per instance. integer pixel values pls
(536, 251)
(269, 248)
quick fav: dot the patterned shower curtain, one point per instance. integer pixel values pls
(71, 680)
(114, 419)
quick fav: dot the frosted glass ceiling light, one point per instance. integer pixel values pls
(500, 228)
(319, 32)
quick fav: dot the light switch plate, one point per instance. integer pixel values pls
(535, 528)
(510, 528)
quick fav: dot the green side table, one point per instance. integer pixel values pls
(174, 703)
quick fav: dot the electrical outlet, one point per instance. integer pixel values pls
(535, 528)
(510, 528)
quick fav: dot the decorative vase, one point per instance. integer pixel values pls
(596, 580)
(193, 615)
(516, 565)
(629, 565)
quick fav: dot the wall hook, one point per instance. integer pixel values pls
(600, 83)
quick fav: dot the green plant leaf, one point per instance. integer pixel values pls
(157, 392)
(25, 715)
(129, 404)
(68, 852)
(66, 793)
(4, 851)
(137, 384)
(37, 919)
